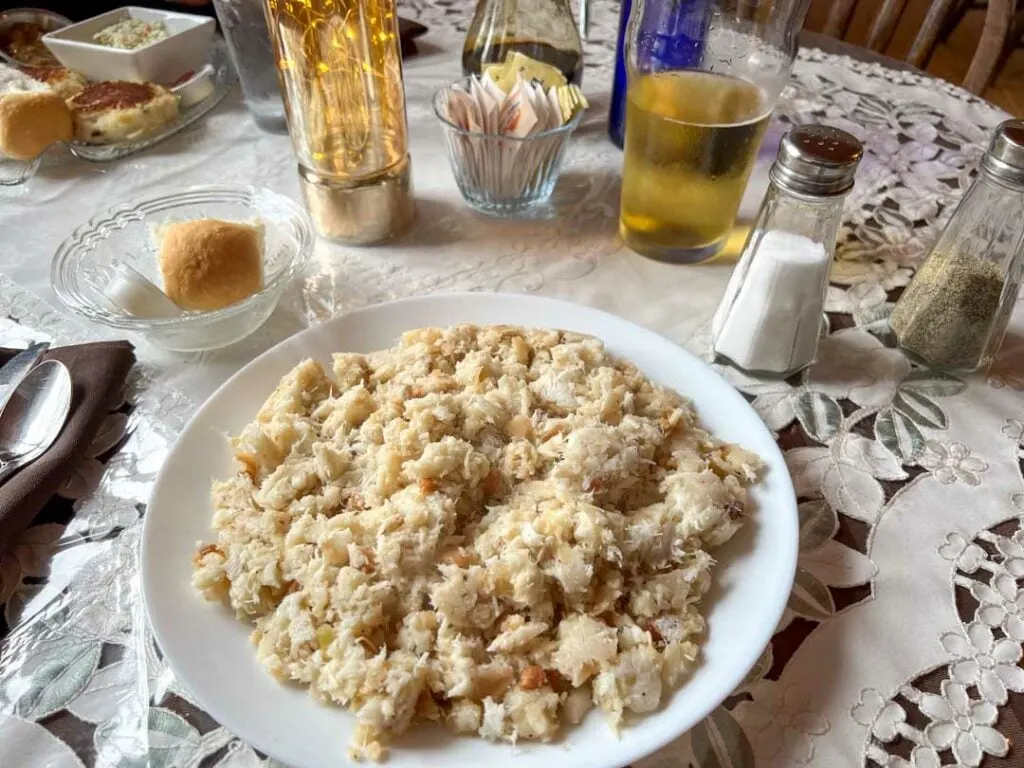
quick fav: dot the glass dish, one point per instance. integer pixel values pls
(504, 175)
(84, 263)
(48, 21)
(13, 172)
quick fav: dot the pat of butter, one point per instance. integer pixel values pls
(132, 292)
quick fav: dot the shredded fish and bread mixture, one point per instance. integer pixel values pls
(490, 527)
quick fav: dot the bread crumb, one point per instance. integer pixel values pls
(532, 677)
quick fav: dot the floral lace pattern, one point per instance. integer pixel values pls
(909, 482)
(959, 719)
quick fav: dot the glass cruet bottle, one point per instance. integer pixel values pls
(955, 312)
(770, 318)
(544, 30)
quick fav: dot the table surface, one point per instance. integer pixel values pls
(902, 640)
(828, 44)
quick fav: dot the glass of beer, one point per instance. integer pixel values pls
(703, 77)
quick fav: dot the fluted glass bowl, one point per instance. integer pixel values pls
(504, 175)
(84, 263)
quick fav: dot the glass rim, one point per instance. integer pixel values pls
(565, 128)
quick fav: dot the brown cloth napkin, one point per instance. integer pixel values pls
(98, 372)
(408, 31)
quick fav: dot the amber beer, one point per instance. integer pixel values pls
(691, 141)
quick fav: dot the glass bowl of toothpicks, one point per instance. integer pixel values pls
(506, 137)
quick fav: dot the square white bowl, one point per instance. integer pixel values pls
(185, 49)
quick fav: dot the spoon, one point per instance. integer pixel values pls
(34, 416)
(17, 368)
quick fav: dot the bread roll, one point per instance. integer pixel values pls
(30, 121)
(209, 264)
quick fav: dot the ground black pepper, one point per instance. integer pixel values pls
(946, 315)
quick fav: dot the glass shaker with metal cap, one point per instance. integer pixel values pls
(770, 318)
(955, 312)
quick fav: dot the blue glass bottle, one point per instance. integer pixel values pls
(671, 36)
(617, 109)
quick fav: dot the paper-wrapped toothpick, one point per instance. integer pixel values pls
(508, 169)
(481, 106)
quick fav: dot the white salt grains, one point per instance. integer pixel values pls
(770, 317)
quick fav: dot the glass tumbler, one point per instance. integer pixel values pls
(693, 129)
(244, 25)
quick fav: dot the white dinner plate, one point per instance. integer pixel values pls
(209, 649)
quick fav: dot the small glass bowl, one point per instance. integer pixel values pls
(84, 263)
(48, 21)
(504, 175)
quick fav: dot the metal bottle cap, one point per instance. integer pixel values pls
(817, 160)
(1005, 156)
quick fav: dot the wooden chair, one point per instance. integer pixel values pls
(998, 22)
(1016, 36)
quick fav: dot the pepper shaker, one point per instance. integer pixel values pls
(770, 317)
(955, 311)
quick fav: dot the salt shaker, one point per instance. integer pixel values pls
(770, 318)
(954, 313)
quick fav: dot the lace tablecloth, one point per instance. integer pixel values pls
(903, 639)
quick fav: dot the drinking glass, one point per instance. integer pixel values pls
(694, 123)
(244, 24)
